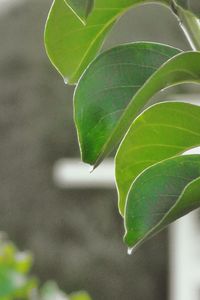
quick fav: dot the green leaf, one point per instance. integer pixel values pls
(160, 195)
(182, 68)
(50, 290)
(70, 45)
(189, 21)
(107, 87)
(79, 296)
(82, 8)
(162, 131)
(190, 5)
(14, 282)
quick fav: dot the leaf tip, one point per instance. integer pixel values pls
(127, 239)
(130, 240)
(91, 169)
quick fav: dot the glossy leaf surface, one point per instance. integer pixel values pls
(107, 87)
(162, 131)
(70, 45)
(81, 8)
(160, 195)
(109, 121)
(182, 68)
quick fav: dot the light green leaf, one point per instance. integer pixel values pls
(50, 291)
(70, 45)
(160, 195)
(79, 296)
(14, 282)
(162, 131)
(182, 68)
(107, 87)
(81, 8)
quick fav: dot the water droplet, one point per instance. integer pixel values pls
(65, 80)
(130, 250)
(91, 169)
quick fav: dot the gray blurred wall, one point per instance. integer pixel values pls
(76, 235)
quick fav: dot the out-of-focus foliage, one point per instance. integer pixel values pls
(14, 268)
(17, 284)
(51, 291)
(79, 296)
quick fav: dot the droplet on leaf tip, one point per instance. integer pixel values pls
(65, 80)
(91, 169)
(130, 250)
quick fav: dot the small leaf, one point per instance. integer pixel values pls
(50, 291)
(160, 195)
(82, 8)
(14, 265)
(106, 88)
(160, 132)
(72, 46)
(79, 296)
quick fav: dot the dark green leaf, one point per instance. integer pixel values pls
(107, 87)
(160, 195)
(182, 68)
(162, 131)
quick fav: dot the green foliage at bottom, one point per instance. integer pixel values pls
(17, 284)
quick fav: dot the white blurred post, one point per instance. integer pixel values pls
(72, 173)
(185, 258)
(184, 243)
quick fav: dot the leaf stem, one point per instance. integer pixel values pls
(190, 25)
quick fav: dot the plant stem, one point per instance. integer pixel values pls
(190, 25)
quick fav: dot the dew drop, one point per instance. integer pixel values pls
(130, 250)
(65, 80)
(91, 169)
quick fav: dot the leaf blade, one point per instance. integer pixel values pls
(160, 132)
(72, 46)
(106, 88)
(165, 185)
(182, 68)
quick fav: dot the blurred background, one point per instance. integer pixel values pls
(74, 233)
